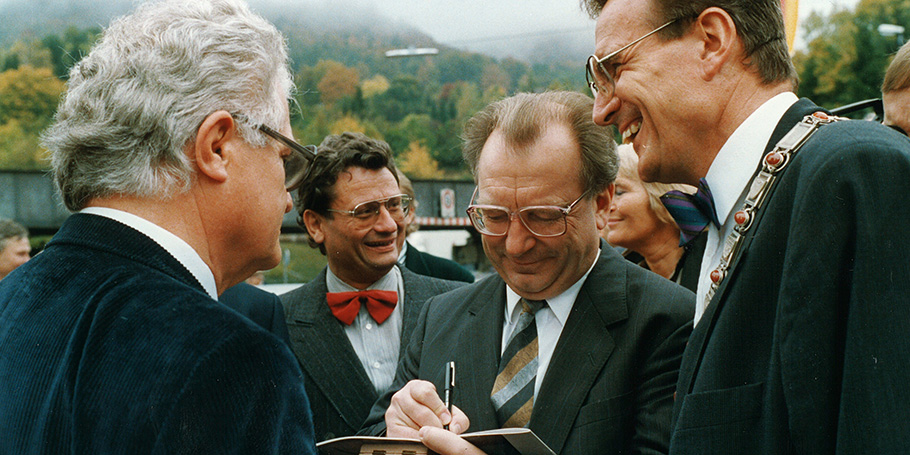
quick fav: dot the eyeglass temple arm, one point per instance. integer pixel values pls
(307, 151)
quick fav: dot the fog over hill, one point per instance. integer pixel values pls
(34, 19)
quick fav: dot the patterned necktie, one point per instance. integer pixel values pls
(692, 212)
(513, 391)
(346, 305)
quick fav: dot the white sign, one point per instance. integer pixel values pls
(447, 203)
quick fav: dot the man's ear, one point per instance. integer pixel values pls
(719, 42)
(314, 225)
(602, 203)
(209, 149)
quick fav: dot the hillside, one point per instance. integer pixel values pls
(345, 82)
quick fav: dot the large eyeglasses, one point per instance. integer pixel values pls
(366, 212)
(601, 73)
(297, 163)
(541, 220)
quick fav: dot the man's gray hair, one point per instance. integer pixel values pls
(11, 230)
(136, 101)
(524, 117)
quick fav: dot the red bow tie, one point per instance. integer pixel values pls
(346, 305)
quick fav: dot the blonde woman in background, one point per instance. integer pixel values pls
(639, 223)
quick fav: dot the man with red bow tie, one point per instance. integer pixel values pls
(349, 325)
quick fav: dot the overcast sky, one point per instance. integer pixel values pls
(475, 24)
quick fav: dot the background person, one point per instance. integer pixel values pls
(15, 248)
(353, 212)
(562, 292)
(896, 91)
(799, 345)
(639, 222)
(417, 261)
(111, 339)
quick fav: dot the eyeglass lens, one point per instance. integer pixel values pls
(599, 80)
(366, 212)
(541, 221)
(297, 163)
(295, 169)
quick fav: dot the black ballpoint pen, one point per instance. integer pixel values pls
(450, 389)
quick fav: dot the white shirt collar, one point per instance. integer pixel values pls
(560, 305)
(738, 159)
(404, 253)
(177, 247)
(391, 281)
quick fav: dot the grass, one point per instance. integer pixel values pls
(303, 263)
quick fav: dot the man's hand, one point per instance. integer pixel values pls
(446, 443)
(418, 405)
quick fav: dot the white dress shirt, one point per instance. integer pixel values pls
(729, 177)
(179, 249)
(376, 345)
(404, 253)
(550, 321)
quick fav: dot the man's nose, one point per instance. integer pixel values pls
(385, 222)
(605, 108)
(289, 202)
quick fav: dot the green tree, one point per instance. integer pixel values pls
(29, 95)
(846, 57)
(19, 149)
(27, 52)
(405, 96)
(67, 50)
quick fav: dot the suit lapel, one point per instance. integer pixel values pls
(314, 333)
(702, 332)
(477, 357)
(415, 295)
(583, 348)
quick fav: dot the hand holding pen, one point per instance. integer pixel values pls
(420, 404)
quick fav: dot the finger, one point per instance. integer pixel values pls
(423, 406)
(446, 443)
(425, 394)
(407, 414)
(399, 425)
(460, 422)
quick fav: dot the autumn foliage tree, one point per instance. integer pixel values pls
(28, 99)
(846, 56)
(417, 162)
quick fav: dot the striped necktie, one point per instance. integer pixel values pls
(692, 212)
(513, 391)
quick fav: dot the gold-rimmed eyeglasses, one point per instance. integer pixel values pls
(601, 72)
(365, 213)
(540, 220)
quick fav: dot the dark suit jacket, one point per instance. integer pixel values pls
(691, 262)
(688, 268)
(805, 348)
(609, 386)
(340, 391)
(109, 345)
(426, 264)
(262, 307)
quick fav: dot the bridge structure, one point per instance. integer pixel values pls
(30, 198)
